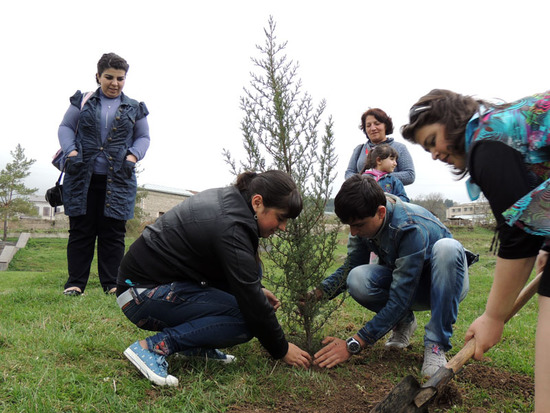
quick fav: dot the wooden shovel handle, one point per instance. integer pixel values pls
(469, 349)
(524, 296)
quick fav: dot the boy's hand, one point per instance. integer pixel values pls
(334, 353)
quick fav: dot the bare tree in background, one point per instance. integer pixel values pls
(433, 202)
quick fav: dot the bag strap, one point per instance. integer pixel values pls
(85, 99)
(61, 174)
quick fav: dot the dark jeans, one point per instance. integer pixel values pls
(84, 230)
(188, 317)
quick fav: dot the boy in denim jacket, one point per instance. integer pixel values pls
(421, 267)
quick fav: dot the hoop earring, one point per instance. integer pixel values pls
(255, 217)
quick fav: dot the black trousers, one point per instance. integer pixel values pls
(83, 232)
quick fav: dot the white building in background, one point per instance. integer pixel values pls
(44, 210)
(473, 211)
(160, 199)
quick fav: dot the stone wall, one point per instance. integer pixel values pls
(157, 203)
(61, 222)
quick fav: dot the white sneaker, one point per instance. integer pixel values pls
(401, 334)
(434, 358)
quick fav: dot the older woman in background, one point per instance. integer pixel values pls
(376, 125)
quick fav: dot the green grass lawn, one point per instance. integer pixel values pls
(64, 354)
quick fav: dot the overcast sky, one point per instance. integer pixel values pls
(189, 62)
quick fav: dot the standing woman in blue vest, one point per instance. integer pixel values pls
(506, 151)
(103, 135)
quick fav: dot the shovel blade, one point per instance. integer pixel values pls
(401, 399)
(409, 396)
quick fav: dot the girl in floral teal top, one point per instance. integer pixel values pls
(506, 151)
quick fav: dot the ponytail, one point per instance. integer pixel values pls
(277, 189)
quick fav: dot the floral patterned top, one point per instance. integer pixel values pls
(523, 125)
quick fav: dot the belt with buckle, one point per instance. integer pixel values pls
(128, 296)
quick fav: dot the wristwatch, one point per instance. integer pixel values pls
(354, 347)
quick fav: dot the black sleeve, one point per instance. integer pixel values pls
(237, 256)
(500, 172)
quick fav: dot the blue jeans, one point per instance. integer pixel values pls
(443, 285)
(188, 317)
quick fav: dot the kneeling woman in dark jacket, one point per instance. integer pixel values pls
(194, 276)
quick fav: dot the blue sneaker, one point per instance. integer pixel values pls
(152, 365)
(209, 354)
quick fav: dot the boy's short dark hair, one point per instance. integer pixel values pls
(358, 198)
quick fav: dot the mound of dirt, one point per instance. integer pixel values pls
(365, 384)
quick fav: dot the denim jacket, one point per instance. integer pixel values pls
(389, 183)
(121, 179)
(403, 243)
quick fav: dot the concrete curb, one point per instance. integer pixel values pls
(8, 252)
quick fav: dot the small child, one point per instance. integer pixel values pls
(381, 161)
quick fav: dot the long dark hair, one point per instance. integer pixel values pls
(277, 189)
(450, 109)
